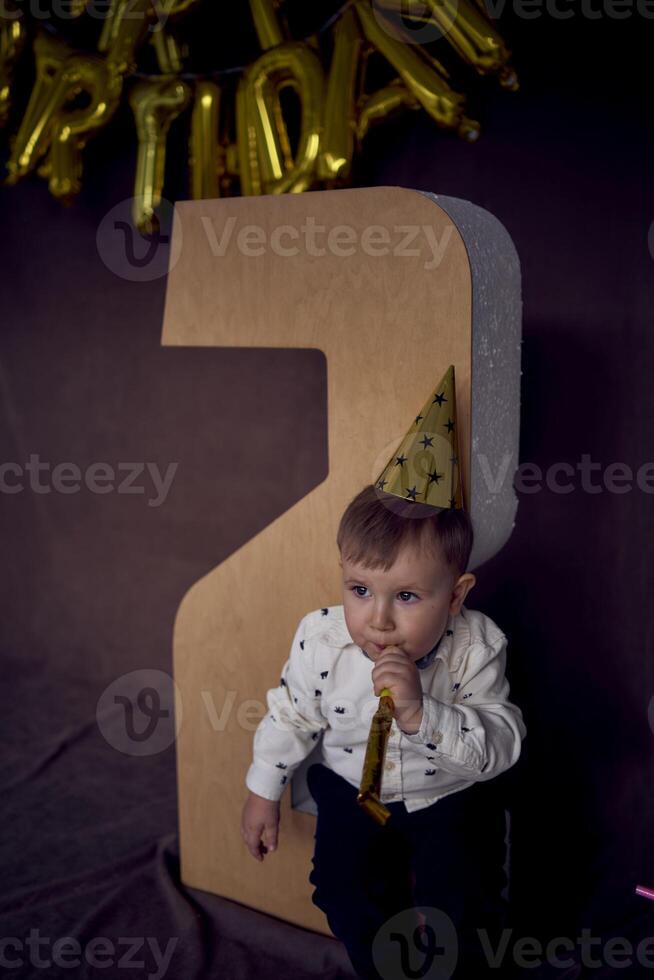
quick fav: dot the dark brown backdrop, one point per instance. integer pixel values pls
(91, 582)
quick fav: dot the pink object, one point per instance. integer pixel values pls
(645, 892)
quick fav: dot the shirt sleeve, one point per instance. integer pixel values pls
(481, 734)
(289, 731)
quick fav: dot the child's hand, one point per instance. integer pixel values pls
(395, 670)
(259, 825)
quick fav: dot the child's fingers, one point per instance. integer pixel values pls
(255, 850)
(392, 657)
(269, 836)
(252, 838)
(389, 677)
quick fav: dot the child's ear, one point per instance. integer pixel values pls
(461, 588)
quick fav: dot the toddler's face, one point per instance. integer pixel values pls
(407, 606)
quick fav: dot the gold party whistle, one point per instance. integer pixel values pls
(368, 795)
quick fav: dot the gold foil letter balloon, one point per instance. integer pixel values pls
(50, 124)
(420, 73)
(266, 23)
(72, 128)
(76, 8)
(467, 29)
(33, 137)
(383, 104)
(124, 29)
(246, 143)
(206, 156)
(266, 163)
(127, 24)
(335, 161)
(12, 42)
(155, 104)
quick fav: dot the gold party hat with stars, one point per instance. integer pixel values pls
(425, 467)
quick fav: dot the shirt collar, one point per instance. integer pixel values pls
(455, 634)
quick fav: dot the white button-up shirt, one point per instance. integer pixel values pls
(470, 731)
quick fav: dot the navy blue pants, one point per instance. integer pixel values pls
(448, 857)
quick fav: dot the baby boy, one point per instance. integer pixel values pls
(402, 626)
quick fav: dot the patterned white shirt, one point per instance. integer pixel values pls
(470, 731)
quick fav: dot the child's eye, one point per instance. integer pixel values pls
(361, 594)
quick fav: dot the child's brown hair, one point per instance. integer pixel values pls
(376, 524)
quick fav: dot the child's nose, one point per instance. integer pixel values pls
(381, 618)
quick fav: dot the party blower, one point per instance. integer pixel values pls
(368, 795)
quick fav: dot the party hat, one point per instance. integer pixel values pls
(425, 467)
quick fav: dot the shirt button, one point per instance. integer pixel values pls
(389, 766)
(438, 738)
